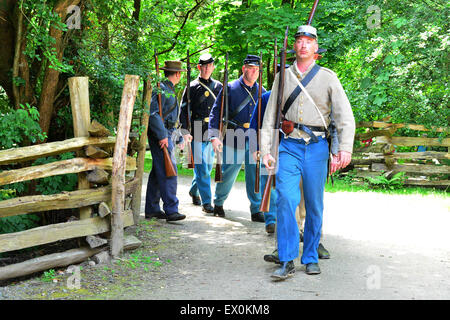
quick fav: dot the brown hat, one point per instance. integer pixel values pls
(171, 65)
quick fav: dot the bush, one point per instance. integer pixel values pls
(18, 126)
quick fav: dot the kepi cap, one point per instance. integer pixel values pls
(252, 60)
(306, 30)
(172, 65)
(205, 58)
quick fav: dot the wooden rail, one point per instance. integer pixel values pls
(18, 155)
(93, 146)
(381, 158)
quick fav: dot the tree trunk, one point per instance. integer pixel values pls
(7, 44)
(51, 76)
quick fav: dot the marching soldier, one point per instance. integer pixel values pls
(203, 93)
(160, 186)
(303, 151)
(242, 97)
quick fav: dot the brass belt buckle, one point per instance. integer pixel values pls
(246, 125)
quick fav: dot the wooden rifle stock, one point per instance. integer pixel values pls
(191, 164)
(218, 174)
(258, 129)
(265, 201)
(170, 170)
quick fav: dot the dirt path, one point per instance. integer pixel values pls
(382, 247)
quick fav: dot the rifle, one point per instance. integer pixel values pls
(313, 11)
(265, 201)
(258, 128)
(275, 59)
(170, 170)
(191, 164)
(223, 104)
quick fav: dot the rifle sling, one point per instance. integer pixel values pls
(170, 110)
(243, 103)
(298, 89)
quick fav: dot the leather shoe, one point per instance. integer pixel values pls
(208, 208)
(270, 228)
(195, 199)
(218, 211)
(258, 217)
(323, 253)
(158, 215)
(287, 269)
(312, 268)
(175, 216)
(273, 257)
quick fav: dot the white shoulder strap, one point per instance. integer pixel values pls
(206, 87)
(309, 97)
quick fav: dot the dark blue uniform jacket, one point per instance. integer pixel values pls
(201, 104)
(236, 95)
(157, 129)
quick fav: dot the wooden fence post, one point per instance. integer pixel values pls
(140, 162)
(130, 88)
(81, 113)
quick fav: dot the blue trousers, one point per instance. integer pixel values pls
(203, 159)
(232, 163)
(158, 185)
(308, 161)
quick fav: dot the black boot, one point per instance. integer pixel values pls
(273, 257)
(258, 217)
(195, 199)
(208, 208)
(323, 253)
(287, 269)
(218, 211)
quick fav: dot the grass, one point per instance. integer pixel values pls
(340, 184)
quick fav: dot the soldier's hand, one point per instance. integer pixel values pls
(187, 138)
(334, 165)
(269, 161)
(164, 143)
(344, 158)
(217, 145)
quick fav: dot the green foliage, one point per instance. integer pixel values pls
(19, 223)
(17, 126)
(56, 184)
(16, 223)
(381, 182)
(40, 44)
(49, 275)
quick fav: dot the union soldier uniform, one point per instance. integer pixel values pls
(241, 103)
(159, 186)
(203, 93)
(304, 152)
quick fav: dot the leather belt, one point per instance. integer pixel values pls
(300, 126)
(288, 126)
(235, 124)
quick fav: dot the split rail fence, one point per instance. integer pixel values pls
(109, 180)
(423, 168)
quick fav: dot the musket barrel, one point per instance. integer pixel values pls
(313, 11)
(191, 164)
(170, 169)
(265, 202)
(223, 104)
